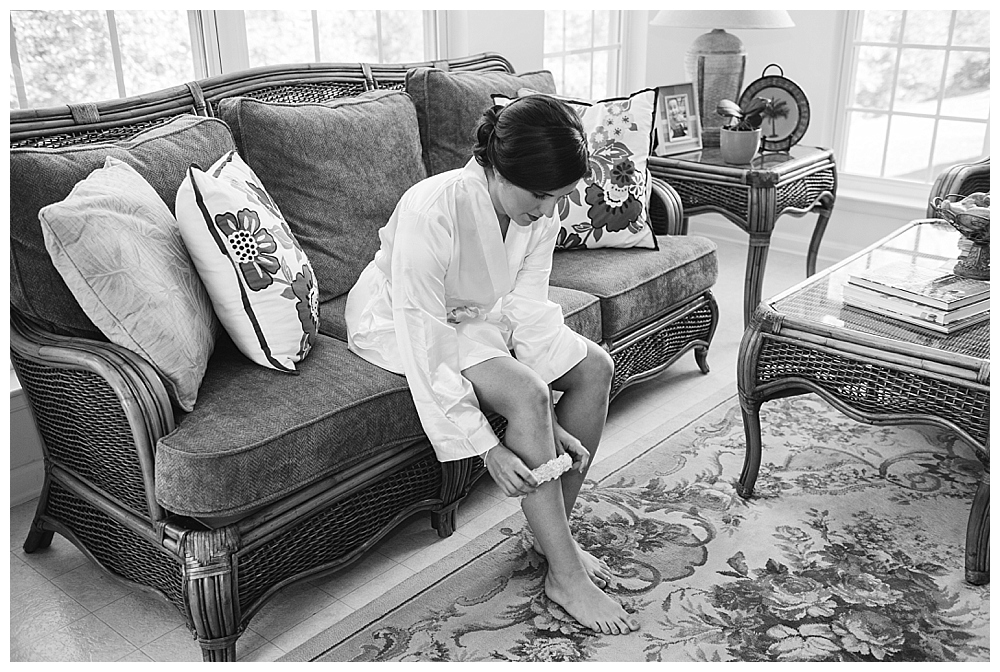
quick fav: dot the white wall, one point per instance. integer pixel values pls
(26, 468)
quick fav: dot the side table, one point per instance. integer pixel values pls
(872, 368)
(753, 196)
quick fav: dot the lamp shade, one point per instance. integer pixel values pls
(716, 61)
(733, 19)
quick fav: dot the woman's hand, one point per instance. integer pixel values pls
(567, 443)
(510, 472)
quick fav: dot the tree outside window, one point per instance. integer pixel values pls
(919, 99)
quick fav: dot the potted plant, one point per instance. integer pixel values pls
(739, 137)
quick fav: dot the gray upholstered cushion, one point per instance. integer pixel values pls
(40, 177)
(259, 434)
(450, 104)
(637, 285)
(331, 318)
(335, 170)
(582, 312)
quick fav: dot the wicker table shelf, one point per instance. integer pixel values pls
(871, 368)
(753, 196)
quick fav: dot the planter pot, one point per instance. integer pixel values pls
(738, 147)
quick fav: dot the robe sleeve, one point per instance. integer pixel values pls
(428, 346)
(540, 338)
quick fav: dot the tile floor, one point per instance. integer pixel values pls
(64, 609)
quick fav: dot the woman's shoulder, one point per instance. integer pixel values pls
(443, 190)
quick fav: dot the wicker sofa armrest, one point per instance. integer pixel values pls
(963, 179)
(666, 213)
(99, 409)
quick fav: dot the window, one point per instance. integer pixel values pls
(583, 50)
(60, 57)
(370, 36)
(73, 56)
(918, 95)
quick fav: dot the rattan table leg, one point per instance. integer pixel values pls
(977, 536)
(751, 462)
(825, 209)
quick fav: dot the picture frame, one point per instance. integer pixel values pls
(779, 132)
(678, 127)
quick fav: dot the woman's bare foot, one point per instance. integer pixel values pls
(590, 606)
(597, 569)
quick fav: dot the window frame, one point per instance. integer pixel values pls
(882, 188)
(620, 46)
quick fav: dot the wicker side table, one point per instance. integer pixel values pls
(753, 196)
(873, 369)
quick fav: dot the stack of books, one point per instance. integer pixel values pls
(931, 298)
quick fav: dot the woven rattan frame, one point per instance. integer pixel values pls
(100, 409)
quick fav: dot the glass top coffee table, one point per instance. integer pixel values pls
(871, 368)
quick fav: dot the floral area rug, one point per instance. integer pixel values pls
(852, 549)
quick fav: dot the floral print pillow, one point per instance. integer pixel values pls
(259, 279)
(610, 208)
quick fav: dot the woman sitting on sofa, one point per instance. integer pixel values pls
(461, 281)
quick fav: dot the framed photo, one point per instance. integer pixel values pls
(678, 127)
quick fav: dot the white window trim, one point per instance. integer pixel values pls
(865, 187)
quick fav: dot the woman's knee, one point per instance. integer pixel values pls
(597, 368)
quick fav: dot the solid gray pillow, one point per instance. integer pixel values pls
(41, 177)
(335, 170)
(450, 105)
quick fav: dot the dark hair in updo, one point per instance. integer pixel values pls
(535, 142)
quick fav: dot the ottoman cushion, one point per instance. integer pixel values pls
(636, 286)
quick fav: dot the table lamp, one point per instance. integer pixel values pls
(717, 60)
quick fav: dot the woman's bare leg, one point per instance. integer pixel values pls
(508, 387)
(583, 411)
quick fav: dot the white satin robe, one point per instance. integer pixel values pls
(447, 291)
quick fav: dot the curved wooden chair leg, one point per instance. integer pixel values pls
(977, 536)
(751, 463)
(701, 357)
(38, 538)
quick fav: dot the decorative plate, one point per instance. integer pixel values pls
(784, 128)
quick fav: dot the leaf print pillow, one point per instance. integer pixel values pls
(259, 279)
(610, 207)
(116, 245)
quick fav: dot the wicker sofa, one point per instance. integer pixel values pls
(217, 509)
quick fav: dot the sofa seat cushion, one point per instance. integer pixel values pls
(635, 286)
(258, 434)
(335, 170)
(331, 318)
(582, 313)
(43, 176)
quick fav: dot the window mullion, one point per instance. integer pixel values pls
(116, 52)
(315, 31)
(378, 35)
(15, 66)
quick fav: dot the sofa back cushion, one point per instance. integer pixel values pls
(335, 170)
(41, 177)
(450, 105)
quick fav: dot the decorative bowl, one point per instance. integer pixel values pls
(975, 227)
